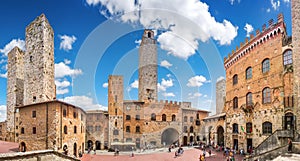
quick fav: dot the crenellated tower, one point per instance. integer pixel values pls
(148, 68)
(39, 83)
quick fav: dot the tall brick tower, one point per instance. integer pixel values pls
(39, 83)
(15, 84)
(296, 57)
(148, 68)
(115, 108)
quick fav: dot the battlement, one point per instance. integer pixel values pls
(273, 30)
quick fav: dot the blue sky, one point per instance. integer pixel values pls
(96, 38)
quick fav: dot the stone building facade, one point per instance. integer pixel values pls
(3, 131)
(149, 123)
(220, 95)
(259, 87)
(97, 129)
(296, 63)
(52, 125)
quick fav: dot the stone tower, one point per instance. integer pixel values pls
(39, 83)
(220, 95)
(15, 84)
(148, 68)
(296, 57)
(115, 108)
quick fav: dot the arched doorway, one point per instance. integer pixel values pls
(98, 145)
(75, 150)
(220, 137)
(209, 134)
(288, 121)
(185, 140)
(169, 136)
(191, 140)
(23, 147)
(90, 144)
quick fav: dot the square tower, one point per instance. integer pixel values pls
(148, 68)
(15, 87)
(115, 109)
(220, 95)
(39, 83)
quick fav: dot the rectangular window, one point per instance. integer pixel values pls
(34, 130)
(137, 117)
(127, 117)
(116, 111)
(33, 114)
(127, 128)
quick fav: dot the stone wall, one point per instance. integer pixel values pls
(36, 156)
(220, 95)
(39, 83)
(15, 88)
(3, 130)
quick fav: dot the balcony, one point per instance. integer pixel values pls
(248, 108)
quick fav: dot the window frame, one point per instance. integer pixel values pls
(266, 95)
(249, 73)
(265, 65)
(235, 102)
(235, 79)
(267, 127)
(287, 57)
(249, 101)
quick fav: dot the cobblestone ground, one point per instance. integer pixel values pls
(191, 154)
(8, 147)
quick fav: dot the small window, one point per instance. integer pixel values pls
(191, 129)
(74, 115)
(127, 128)
(197, 115)
(116, 132)
(266, 94)
(116, 98)
(137, 117)
(235, 128)
(64, 112)
(288, 57)
(249, 73)
(185, 119)
(164, 117)
(185, 129)
(191, 119)
(138, 107)
(34, 99)
(65, 129)
(75, 129)
(34, 130)
(127, 117)
(249, 127)
(266, 65)
(173, 117)
(33, 114)
(149, 34)
(22, 130)
(137, 129)
(235, 103)
(153, 117)
(116, 111)
(30, 59)
(267, 128)
(116, 123)
(235, 79)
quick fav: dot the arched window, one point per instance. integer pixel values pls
(164, 117)
(249, 99)
(75, 129)
(235, 128)
(185, 119)
(248, 73)
(266, 65)
(65, 129)
(191, 119)
(191, 129)
(137, 129)
(235, 79)
(64, 112)
(249, 127)
(235, 102)
(153, 117)
(22, 130)
(127, 128)
(173, 117)
(287, 57)
(266, 95)
(185, 129)
(267, 128)
(74, 115)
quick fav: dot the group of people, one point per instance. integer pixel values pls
(203, 155)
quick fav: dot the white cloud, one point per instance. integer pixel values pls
(197, 81)
(134, 84)
(105, 85)
(67, 61)
(66, 42)
(62, 70)
(286, 1)
(205, 96)
(62, 86)
(2, 113)
(165, 64)
(169, 75)
(268, 10)
(2, 61)
(84, 102)
(164, 85)
(15, 42)
(194, 95)
(232, 1)
(220, 78)
(248, 28)
(275, 5)
(183, 24)
(3, 75)
(169, 94)
(138, 43)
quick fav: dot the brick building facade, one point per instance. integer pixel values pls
(259, 87)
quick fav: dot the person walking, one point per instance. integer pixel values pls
(290, 145)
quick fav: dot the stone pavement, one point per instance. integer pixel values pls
(190, 154)
(8, 147)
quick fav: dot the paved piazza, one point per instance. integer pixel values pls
(190, 154)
